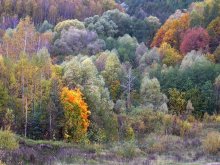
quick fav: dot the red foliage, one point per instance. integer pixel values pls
(195, 39)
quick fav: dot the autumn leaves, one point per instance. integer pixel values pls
(76, 114)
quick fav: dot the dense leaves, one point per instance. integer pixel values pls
(76, 115)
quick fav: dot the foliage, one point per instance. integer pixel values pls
(126, 47)
(171, 31)
(211, 142)
(114, 23)
(177, 103)
(214, 32)
(8, 140)
(67, 24)
(195, 39)
(76, 114)
(176, 126)
(23, 39)
(161, 9)
(217, 54)
(81, 72)
(151, 94)
(45, 26)
(74, 41)
(127, 150)
(169, 55)
(53, 11)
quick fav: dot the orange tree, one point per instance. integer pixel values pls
(76, 114)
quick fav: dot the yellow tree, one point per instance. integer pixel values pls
(171, 31)
(24, 38)
(170, 56)
(76, 114)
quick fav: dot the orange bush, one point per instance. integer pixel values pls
(76, 114)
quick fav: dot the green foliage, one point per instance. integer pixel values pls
(126, 47)
(112, 69)
(67, 24)
(127, 150)
(196, 81)
(151, 95)
(8, 140)
(177, 103)
(46, 26)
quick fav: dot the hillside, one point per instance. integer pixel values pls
(95, 82)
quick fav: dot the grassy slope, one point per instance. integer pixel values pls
(178, 151)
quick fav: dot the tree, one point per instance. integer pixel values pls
(148, 59)
(74, 41)
(192, 58)
(81, 72)
(195, 39)
(211, 11)
(177, 102)
(151, 95)
(171, 31)
(46, 26)
(4, 98)
(67, 24)
(217, 94)
(126, 48)
(103, 25)
(217, 54)
(76, 114)
(169, 55)
(214, 32)
(23, 39)
(128, 83)
(112, 69)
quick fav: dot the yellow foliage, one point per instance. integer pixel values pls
(170, 32)
(170, 55)
(76, 113)
(211, 118)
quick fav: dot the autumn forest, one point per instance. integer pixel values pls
(109, 82)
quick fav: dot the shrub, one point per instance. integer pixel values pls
(146, 121)
(211, 118)
(211, 143)
(128, 150)
(176, 126)
(8, 140)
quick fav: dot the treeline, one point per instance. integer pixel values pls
(159, 8)
(95, 79)
(51, 10)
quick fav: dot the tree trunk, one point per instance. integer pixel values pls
(26, 117)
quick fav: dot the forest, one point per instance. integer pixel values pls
(120, 81)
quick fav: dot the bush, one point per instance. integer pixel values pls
(211, 118)
(211, 143)
(176, 126)
(8, 140)
(146, 121)
(128, 150)
(156, 143)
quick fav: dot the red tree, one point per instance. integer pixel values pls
(195, 39)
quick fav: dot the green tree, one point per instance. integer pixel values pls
(177, 103)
